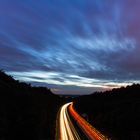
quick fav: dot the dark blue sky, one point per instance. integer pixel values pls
(71, 46)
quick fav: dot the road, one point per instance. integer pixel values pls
(67, 129)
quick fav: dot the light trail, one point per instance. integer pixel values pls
(91, 132)
(67, 130)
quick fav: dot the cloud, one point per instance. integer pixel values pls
(66, 82)
(93, 40)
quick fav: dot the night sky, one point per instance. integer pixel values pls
(71, 46)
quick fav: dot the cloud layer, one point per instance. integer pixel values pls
(71, 46)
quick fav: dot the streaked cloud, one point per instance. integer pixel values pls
(85, 45)
(66, 80)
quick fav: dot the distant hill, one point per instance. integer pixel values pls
(115, 113)
(26, 112)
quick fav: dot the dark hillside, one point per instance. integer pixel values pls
(26, 111)
(115, 113)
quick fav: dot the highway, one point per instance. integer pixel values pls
(67, 130)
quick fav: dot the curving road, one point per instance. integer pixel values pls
(67, 130)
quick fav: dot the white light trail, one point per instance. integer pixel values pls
(67, 130)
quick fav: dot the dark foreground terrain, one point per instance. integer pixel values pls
(28, 112)
(115, 113)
